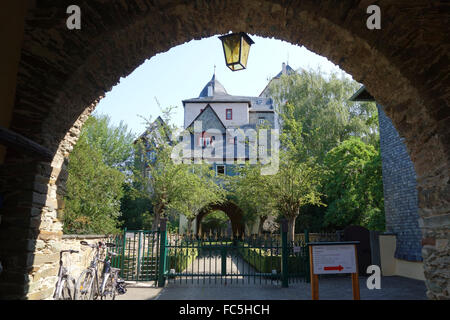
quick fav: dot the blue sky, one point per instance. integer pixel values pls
(182, 72)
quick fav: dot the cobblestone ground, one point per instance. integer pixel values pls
(239, 288)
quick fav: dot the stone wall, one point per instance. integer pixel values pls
(63, 74)
(400, 191)
(44, 274)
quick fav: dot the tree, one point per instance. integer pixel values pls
(296, 184)
(354, 185)
(251, 192)
(114, 142)
(321, 105)
(201, 190)
(172, 187)
(94, 185)
(215, 221)
(136, 210)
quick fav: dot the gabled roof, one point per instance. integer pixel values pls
(285, 69)
(289, 71)
(151, 129)
(208, 106)
(221, 96)
(362, 95)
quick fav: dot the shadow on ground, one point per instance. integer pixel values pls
(392, 288)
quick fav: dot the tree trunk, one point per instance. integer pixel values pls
(262, 219)
(291, 228)
(189, 225)
(155, 224)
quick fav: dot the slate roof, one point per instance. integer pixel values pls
(217, 88)
(203, 111)
(362, 95)
(153, 133)
(289, 71)
(221, 95)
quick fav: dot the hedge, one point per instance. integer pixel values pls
(265, 263)
(180, 259)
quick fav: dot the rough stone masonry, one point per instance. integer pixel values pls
(64, 73)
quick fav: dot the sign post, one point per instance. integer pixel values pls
(333, 258)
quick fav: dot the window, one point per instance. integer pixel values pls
(261, 120)
(205, 140)
(262, 151)
(220, 169)
(232, 140)
(229, 114)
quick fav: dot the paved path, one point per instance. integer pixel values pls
(235, 265)
(392, 288)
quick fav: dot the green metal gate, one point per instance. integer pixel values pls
(211, 259)
(228, 259)
(138, 255)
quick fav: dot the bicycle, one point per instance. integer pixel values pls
(88, 284)
(65, 287)
(111, 282)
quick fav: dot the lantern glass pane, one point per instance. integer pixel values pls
(236, 67)
(245, 50)
(231, 46)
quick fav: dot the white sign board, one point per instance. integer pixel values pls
(329, 259)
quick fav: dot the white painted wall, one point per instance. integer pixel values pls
(240, 112)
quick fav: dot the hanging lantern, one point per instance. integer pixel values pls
(236, 47)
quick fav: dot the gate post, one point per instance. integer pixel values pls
(306, 252)
(122, 261)
(284, 254)
(223, 253)
(162, 252)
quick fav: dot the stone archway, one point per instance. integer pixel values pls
(231, 210)
(63, 74)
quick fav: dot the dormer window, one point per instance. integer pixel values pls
(205, 140)
(229, 114)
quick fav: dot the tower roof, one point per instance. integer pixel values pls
(213, 88)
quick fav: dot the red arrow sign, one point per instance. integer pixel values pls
(340, 268)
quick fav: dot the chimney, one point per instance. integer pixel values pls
(283, 68)
(210, 90)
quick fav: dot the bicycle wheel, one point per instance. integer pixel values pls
(58, 289)
(68, 289)
(108, 287)
(86, 286)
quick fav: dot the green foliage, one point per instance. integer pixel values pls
(354, 185)
(215, 221)
(317, 120)
(171, 187)
(115, 142)
(94, 185)
(265, 262)
(251, 192)
(180, 259)
(296, 185)
(136, 210)
(321, 107)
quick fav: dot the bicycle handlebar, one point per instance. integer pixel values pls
(70, 251)
(98, 245)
